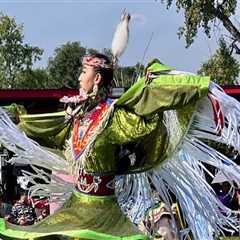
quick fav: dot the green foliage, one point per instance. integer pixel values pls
(92, 51)
(15, 56)
(126, 76)
(108, 53)
(34, 79)
(221, 67)
(65, 66)
(203, 14)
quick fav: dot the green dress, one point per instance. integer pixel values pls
(137, 117)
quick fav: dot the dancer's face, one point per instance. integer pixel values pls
(88, 78)
(23, 198)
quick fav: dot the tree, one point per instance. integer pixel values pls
(205, 14)
(15, 56)
(64, 68)
(222, 67)
(92, 51)
(34, 79)
(124, 76)
(108, 53)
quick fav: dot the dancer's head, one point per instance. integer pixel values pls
(23, 196)
(97, 72)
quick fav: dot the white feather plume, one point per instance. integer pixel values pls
(121, 36)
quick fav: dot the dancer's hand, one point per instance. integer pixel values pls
(22, 221)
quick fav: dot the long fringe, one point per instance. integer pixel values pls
(183, 173)
(27, 151)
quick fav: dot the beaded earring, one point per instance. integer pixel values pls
(95, 89)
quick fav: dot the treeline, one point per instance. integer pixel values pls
(17, 59)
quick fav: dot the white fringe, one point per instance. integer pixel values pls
(26, 151)
(183, 173)
(231, 108)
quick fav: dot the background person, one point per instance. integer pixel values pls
(22, 212)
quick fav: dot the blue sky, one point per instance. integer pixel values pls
(50, 23)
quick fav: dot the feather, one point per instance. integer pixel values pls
(121, 36)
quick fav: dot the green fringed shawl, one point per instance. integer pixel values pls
(138, 117)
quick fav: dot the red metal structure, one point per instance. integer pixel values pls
(47, 100)
(36, 100)
(233, 90)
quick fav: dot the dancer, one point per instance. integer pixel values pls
(163, 120)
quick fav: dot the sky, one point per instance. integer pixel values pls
(49, 24)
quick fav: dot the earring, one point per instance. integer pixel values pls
(95, 89)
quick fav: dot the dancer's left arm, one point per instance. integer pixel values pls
(165, 92)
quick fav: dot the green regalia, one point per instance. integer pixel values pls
(153, 118)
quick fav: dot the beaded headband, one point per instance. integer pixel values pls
(95, 62)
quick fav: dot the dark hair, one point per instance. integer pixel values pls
(23, 192)
(106, 73)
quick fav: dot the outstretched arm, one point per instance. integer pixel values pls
(164, 93)
(159, 91)
(48, 129)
